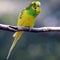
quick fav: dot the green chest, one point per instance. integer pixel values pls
(32, 12)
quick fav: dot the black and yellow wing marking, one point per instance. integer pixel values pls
(21, 14)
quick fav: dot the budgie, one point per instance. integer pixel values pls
(26, 18)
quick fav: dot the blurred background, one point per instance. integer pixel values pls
(31, 46)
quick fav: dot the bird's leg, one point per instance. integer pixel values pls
(29, 28)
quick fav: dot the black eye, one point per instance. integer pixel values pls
(38, 6)
(35, 7)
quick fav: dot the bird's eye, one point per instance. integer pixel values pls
(38, 6)
(34, 7)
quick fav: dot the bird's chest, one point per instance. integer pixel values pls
(28, 19)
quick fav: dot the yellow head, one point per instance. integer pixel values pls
(36, 6)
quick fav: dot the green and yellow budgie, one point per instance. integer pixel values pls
(26, 18)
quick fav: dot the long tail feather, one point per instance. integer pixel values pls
(18, 35)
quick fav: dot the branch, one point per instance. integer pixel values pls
(27, 29)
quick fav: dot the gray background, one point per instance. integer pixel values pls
(31, 46)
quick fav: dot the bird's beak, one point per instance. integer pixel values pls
(38, 9)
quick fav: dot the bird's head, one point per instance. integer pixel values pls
(35, 5)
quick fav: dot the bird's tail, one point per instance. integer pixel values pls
(17, 36)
